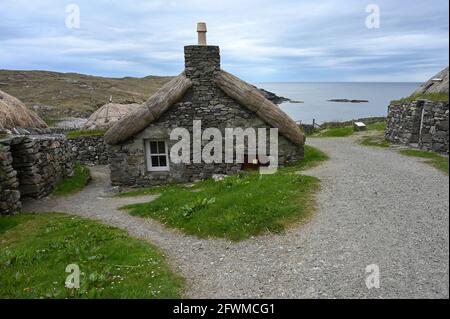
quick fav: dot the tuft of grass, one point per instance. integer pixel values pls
(438, 161)
(239, 206)
(73, 184)
(436, 97)
(35, 252)
(84, 133)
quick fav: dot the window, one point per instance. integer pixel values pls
(157, 156)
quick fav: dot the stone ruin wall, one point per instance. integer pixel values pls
(421, 122)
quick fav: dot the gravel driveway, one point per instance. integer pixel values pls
(375, 207)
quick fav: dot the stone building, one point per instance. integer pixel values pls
(421, 122)
(139, 143)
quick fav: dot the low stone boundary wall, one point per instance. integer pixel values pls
(9, 185)
(89, 150)
(421, 122)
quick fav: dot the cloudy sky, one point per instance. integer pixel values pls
(260, 40)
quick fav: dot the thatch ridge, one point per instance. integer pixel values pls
(13, 113)
(251, 98)
(107, 115)
(150, 111)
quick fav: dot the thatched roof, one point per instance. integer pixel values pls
(437, 84)
(13, 113)
(150, 111)
(245, 94)
(250, 97)
(108, 115)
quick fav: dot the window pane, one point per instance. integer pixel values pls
(155, 162)
(154, 147)
(161, 148)
(162, 161)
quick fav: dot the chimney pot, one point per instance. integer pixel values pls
(201, 30)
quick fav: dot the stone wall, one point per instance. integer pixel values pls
(89, 150)
(434, 130)
(403, 122)
(203, 101)
(9, 185)
(420, 122)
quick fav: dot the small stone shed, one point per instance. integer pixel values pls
(139, 143)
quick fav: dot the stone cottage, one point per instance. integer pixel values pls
(140, 143)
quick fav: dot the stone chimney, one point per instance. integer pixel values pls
(201, 61)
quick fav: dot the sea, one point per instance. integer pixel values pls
(315, 95)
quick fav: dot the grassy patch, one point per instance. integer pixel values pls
(374, 140)
(239, 206)
(34, 255)
(73, 184)
(437, 97)
(433, 159)
(335, 132)
(8, 222)
(346, 130)
(378, 126)
(85, 133)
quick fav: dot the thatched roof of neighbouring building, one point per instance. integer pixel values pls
(108, 115)
(437, 84)
(14, 114)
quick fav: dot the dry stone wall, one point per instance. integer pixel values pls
(30, 166)
(435, 127)
(9, 185)
(421, 122)
(41, 162)
(89, 150)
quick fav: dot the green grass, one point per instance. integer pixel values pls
(437, 97)
(433, 159)
(374, 140)
(347, 130)
(378, 126)
(335, 132)
(36, 250)
(85, 133)
(73, 184)
(239, 206)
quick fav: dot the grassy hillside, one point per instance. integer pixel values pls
(70, 94)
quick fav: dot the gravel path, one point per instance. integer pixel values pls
(375, 207)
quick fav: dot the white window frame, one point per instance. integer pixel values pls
(149, 155)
